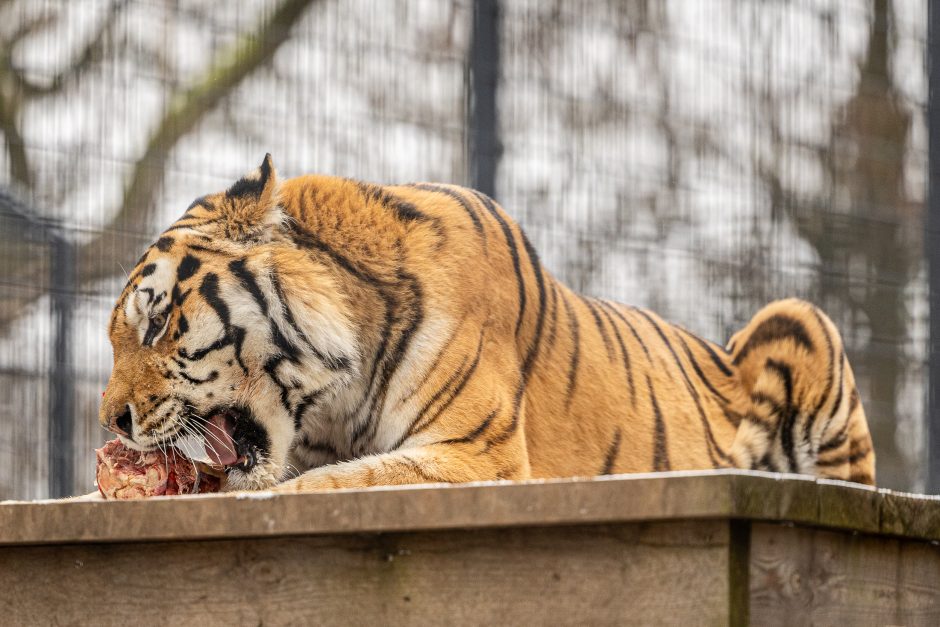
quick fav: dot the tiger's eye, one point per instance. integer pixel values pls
(158, 320)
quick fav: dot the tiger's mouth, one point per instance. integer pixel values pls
(228, 437)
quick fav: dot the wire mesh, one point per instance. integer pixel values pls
(699, 158)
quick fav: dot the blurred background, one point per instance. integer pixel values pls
(697, 157)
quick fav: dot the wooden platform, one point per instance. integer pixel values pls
(712, 548)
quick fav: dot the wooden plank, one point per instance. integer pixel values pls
(804, 576)
(640, 573)
(601, 500)
(623, 498)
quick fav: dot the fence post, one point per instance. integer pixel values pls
(932, 246)
(61, 383)
(485, 146)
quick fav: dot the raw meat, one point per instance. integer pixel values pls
(123, 473)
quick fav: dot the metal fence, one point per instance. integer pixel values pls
(699, 158)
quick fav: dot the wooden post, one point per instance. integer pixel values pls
(61, 426)
(932, 246)
(485, 147)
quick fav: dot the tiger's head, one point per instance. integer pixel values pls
(225, 334)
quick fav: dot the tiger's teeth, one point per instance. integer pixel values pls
(194, 448)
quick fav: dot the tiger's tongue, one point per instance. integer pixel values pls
(220, 447)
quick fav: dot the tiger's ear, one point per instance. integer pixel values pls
(251, 207)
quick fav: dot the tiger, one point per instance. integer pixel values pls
(319, 333)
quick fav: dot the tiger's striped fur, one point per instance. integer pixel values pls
(408, 334)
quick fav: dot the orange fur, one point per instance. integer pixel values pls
(460, 357)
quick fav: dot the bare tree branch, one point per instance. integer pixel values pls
(15, 144)
(116, 244)
(92, 52)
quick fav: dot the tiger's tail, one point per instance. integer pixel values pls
(803, 412)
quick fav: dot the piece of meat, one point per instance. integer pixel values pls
(123, 473)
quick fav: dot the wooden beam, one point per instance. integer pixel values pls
(609, 499)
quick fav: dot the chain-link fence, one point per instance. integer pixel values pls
(699, 158)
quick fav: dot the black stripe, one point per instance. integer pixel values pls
(164, 244)
(762, 397)
(148, 269)
(536, 343)
(711, 443)
(444, 350)
(574, 328)
(766, 463)
(434, 398)
(699, 373)
(179, 297)
(305, 402)
(476, 433)
(789, 412)
(211, 377)
(405, 211)
(182, 324)
(324, 448)
(660, 446)
(416, 468)
(189, 224)
(811, 419)
(623, 350)
(716, 359)
(774, 329)
(513, 425)
(270, 368)
(333, 362)
(199, 202)
(418, 427)
(752, 418)
(600, 325)
(732, 416)
(845, 459)
(611, 456)
(233, 335)
(838, 440)
(633, 330)
(841, 393)
(553, 320)
(467, 207)
(246, 277)
(513, 252)
(209, 290)
(189, 265)
(212, 250)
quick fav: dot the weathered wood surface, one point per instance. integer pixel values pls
(674, 548)
(621, 498)
(550, 576)
(805, 576)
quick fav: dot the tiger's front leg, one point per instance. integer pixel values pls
(435, 463)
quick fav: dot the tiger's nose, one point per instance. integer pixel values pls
(122, 423)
